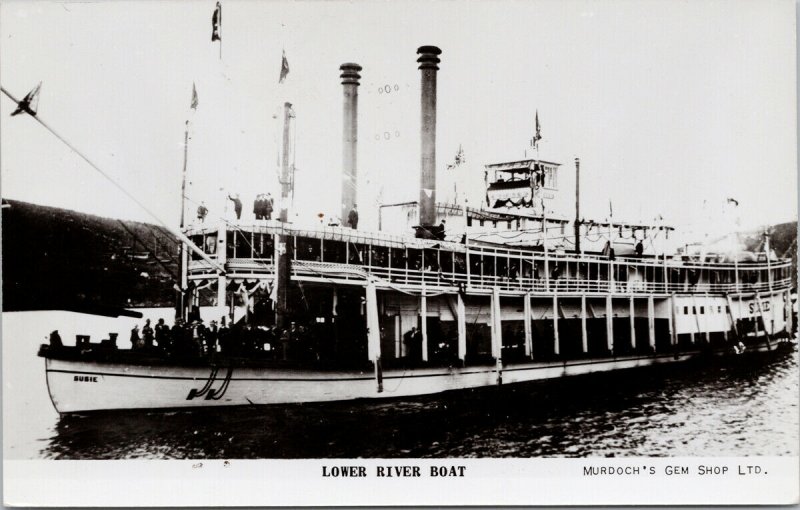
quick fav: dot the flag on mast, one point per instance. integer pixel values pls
(30, 102)
(284, 68)
(216, 23)
(194, 97)
(538, 135)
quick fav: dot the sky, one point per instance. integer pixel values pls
(671, 106)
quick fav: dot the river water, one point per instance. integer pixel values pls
(695, 409)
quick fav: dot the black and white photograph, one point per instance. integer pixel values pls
(399, 253)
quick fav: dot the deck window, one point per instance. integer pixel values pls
(334, 251)
(308, 249)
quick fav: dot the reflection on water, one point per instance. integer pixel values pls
(686, 410)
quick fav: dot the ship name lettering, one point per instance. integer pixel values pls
(85, 378)
(344, 471)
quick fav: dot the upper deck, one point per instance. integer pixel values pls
(339, 255)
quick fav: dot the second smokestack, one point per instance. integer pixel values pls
(350, 83)
(428, 64)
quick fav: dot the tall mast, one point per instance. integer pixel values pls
(577, 205)
(184, 253)
(283, 275)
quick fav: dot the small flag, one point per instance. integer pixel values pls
(284, 68)
(733, 201)
(194, 97)
(538, 135)
(460, 155)
(216, 23)
(30, 102)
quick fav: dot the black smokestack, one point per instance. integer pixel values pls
(350, 84)
(428, 60)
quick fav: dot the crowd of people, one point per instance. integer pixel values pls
(193, 339)
(263, 208)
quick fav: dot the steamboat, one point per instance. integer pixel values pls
(443, 296)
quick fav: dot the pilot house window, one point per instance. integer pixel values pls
(550, 178)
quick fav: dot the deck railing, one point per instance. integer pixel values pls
(446, 265)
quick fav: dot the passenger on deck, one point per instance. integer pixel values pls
(268, 206)
(162, 334)
(136, 341)
(55, 339)
(639, 249)
(147, 334)
(210, 338)
(413, 342)
(440, 233)
(237, 205)
(202, 212)
(352, 218)
(285, 339)
(178, 338)
(258, 207)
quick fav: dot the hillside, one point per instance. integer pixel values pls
(783, 240)
(60, 259)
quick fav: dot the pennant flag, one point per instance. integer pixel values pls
(460, 155)
(733, 201)
(216, 24)
(194, 97)
(30, 102)
(538, 135)
(284, 68)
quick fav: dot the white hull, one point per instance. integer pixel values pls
(77, 386)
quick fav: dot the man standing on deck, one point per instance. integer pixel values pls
(352, 218)
(268, 206)
(258, 207)
(202, 212)
(147, 334)
(162, 330)
(237, 205)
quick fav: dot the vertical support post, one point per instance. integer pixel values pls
(374, 333)
(651, 322)
(398, 337)
(461, 313)
(584, 333)
(789, 312)
(632, 314)
(609, 324)
(673, 333)
(283, 246)
(184, 280)
(577, 205)
(497, 333)
(556, 339)
(767, 333)
(696, 310)
(526, 317)
(423, 310)
(222, 255)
